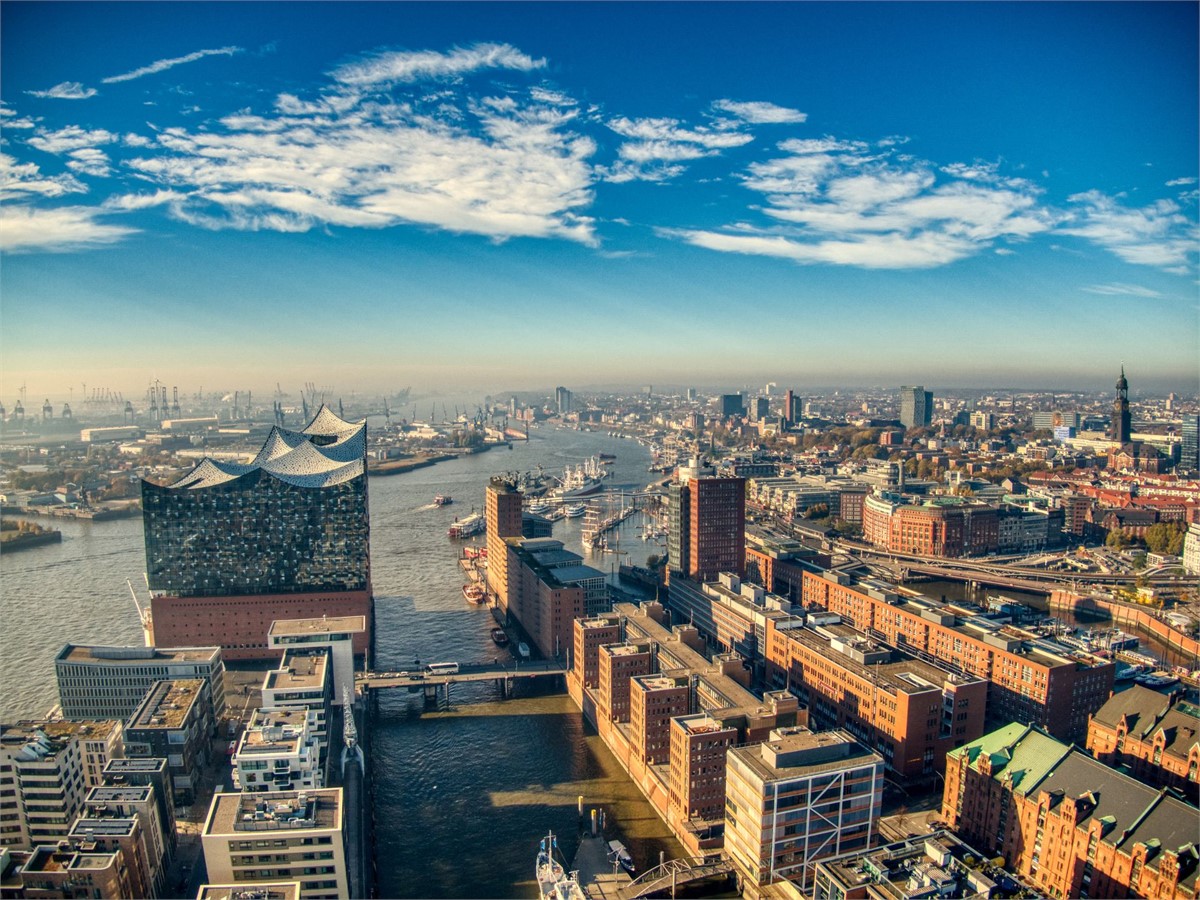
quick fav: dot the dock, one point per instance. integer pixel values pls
(596, 875)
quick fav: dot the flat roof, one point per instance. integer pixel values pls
(325, 624)
(58, 733)
(753, 756)
(167, 704)
(235, 814)
(259, 890)
(95, 654)
(301, 668)
(701, 724)
(127, 793)
(905, 675)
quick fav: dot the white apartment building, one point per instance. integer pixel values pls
(335, 632)
(304, 680)
(279, 751)
(111, 682)
(250, 839)
(798, 798)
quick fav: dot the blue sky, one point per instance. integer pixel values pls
(490, 196)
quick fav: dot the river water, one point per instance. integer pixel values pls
(462, 796)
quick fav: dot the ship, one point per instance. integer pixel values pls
(554, 882)
(475, 523)
(581, 480)
(473, 593)
(574, 512)
(443, 500)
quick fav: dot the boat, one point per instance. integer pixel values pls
(475, 523)
(539, 509)
(618, 853)
(554, 882)
(1127, 672)
(606, 457)
(473, 593)
(500, 637)
(1161, 678)
(574, 512)
(579, 481)
(443, 500)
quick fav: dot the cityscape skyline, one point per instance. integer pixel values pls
(979, 195)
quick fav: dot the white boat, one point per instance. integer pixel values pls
(539, 509)
(475, 523)
(581, 480)
(574, 512)
(554, 881)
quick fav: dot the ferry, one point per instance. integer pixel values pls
(574, 512)
(475, 523)
(443, 500)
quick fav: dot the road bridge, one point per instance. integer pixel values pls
(503, 674)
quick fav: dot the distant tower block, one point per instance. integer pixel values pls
(47, 411)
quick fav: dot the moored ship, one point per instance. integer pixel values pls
(475, 523)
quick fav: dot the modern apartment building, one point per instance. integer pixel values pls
(698, 746)
(175, 722)
(1068, 824)
(1031, 679)
(46, 770)
(130, 818)
(340, 634)
(617, 664)
(654, 700)
(111, 682)
(304, 681)
(231, 548)
(795, 799)
(250, 839)
(279, 751)
(49, 871)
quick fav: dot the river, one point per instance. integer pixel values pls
(461, 796)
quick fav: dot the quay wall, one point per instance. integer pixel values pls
(1127, 615)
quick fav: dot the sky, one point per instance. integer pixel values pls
(506, 196)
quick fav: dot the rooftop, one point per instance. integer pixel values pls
(896, 673)
(281, 890)
(299, 669)
(799, 753)
(700, 724)
(323, 625)
(167, 704)
(135, 656)
(53, 736)
(232, 814)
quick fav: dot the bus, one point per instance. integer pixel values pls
(442, 668)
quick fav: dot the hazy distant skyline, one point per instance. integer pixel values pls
(486, 197)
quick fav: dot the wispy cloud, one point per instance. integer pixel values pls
(1176, 182)
(1120, 290)
(64, 140)
(1158, 235)
(758, 112)
(412, 65)
(89, 161)
(847, 203)
(66, 90)
(656, 146)
(163, 64)
(24, 229)
(25, 181)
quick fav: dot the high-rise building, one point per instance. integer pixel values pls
(760, 408)
(1189, 445)
(502, 512)
(796, 799)
(564, 400)
(732, 405)
(175, 721)
(697, 786)
(706, 523)
(916, 406)
(231, 548)
(1122, 426)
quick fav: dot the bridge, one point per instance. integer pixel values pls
(503, 675)
(675, 873)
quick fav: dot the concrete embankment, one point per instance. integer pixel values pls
(1127, 615)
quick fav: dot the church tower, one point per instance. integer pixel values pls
(1121, 425)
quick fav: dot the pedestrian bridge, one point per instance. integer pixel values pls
(467, 672)
(675, 873)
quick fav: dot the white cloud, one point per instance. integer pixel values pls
(70, 138)
(25, 229)
(12, 120)
(1176, 182)
(656, 146)
(136, 140)
(131, 202)
(67, 90)
(760, 113)
(846, 203)
(1158, 235)
(164, 64)
(405, 65)
(1121, 290)
(20, 181)
(89, 161)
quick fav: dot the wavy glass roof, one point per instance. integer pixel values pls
(328, 451)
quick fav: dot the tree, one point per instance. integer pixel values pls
(1116, 540)
(1165, 538)
(1139, 560)
(817, 511)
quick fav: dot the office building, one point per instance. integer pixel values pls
(537, 599)
(1067, 824)
(175, 722)
(617, 664)
(1189, 444)
(563, 400)
(654, 700)
(946, 526)
(1031, 679)
(797, 798)
(126, 820)
(111, 682)
(304, 680)
(1154, 737)
(46, 770)
(278, 836)
(732, 405)
(147, 773)
(911, 711)
(231, 548)
(279, 751)
(760, 408)
(916, 407)
(502, 513)
(339, 634)
(706, 524)
(590, 635)
(698, 746)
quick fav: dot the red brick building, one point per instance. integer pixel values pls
(698, 746)
(653, 701)
(1156, 736)
(618, 663)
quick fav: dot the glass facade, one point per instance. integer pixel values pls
(257, 534)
